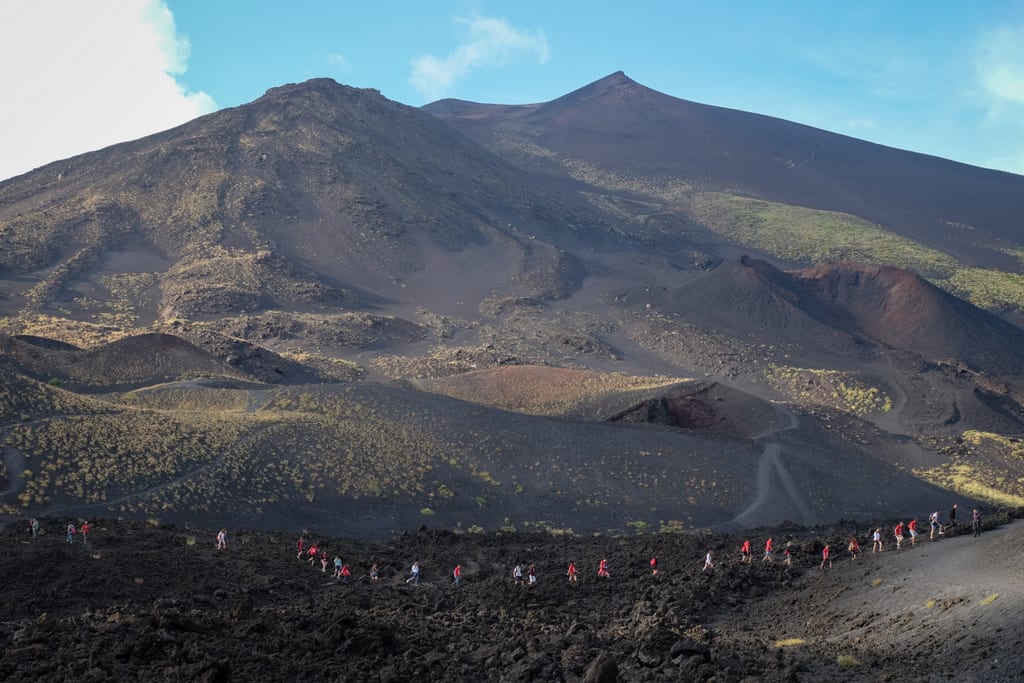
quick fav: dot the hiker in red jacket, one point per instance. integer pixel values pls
(602, 569)
(654, 565)
(826, 556)
(301, 545)
(572, 572)
(457, 574)
(745, 555)
(912, 528)
(898, 533)
(345, 573)
(767, 551)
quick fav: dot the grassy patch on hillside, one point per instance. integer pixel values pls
(830, 388)
(800, 234)
(82, 334)
(989, 289)
(93, 458)
(980, 481)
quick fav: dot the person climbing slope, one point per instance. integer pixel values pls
(826, 557)
(602, 569)
(709, 562)
(767, 551)
(571, 573)
(745, 555)
(414, 574)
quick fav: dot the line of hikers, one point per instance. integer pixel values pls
(525, 576)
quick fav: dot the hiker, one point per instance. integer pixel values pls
(602, 569)
(71, 533)
(912, 528)
(788, 553)
(952, 518)
(876, 541)
(457, 574)
(826, 556)
(337, 567)
(933, 521)
(767, 551)
(414, 574)
(311, 554)
(572, 572)
(301, 545)
(853, 548)
(84, 529)
(745, 555)
(898, 533)
(346, 574)
(517, 575)
(33, 526)
(222, 539)
(654, 565)
(976, 522)
(323, 561)
(374, 572)
(531, 573)
(709, 563)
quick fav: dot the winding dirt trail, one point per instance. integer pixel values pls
(777, 497)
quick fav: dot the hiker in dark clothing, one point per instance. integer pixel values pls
(952, 517)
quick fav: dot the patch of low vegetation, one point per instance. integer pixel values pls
(85, 335)
(991, 289)
(831, 388)
(94, 458)
(789, 642)
(1012, 448)
(805, 235)
(442, 361)
(977, 480)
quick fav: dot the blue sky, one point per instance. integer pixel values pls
(943, 78)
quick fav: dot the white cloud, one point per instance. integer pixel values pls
(336, 60)
(486, 42)
(999, 64)
(79, 76)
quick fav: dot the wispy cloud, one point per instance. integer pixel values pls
(81, 76)
(999, 65)
(336, 60)
(485, 42)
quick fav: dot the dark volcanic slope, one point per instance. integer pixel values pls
(900, 309)
(135, 361)
(625, 127)
(314, 195)
(830, 305)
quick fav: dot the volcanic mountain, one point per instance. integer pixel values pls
(627, 130)
(325, 308)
